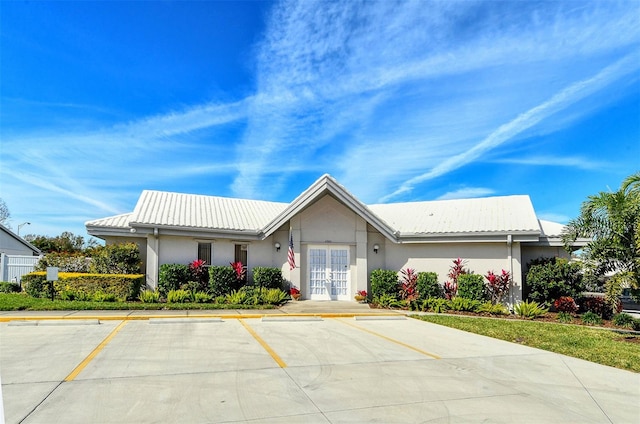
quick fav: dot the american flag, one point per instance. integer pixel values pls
(291, 257)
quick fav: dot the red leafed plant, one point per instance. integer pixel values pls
(362, 293)
(456, 270)
(498, 285)
(239, 269)
(566, 304)
(294, 290)
(408, 284)
(199, 274)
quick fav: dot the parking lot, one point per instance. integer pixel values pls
(294, 369)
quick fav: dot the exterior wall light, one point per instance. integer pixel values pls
(277, 246)
(376, 248)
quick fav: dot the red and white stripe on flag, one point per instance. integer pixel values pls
(291, 257)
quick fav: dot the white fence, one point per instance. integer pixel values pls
(13, 267)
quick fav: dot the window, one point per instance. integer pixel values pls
(241, 256)
(204, 253)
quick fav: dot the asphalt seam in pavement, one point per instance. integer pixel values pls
(398, 342)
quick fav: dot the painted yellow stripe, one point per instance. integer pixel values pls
(398, 342)
(264, 344)
(95, 352)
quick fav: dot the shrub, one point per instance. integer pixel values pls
(179, 296)
(273, 296)
(455, 271)
(491, 309)
(471, 286)
(222, 280)
(149, 296)
(591, 318)
(240, 273)
(497, 285)
(530, 310)
(100, 296)
(550, 279)
(436, 304)
(199, 274)
(428, 286)
(201, 297)
(565, 304)
(268, 277)
(171, 277)
(120, 258)
(564, 317)
(408, 284)
(624, 320)
(122, 286)
(463, 304)
(597, 305)
(384, 282)
(6, 287)
(237, 297)
(387, 301)
(65, 262)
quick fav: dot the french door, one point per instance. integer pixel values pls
(329, 273)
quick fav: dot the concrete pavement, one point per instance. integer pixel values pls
(307, 363)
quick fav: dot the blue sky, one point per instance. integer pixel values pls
(399, 101)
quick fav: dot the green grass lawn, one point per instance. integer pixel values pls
(604, 347)
(22, 302)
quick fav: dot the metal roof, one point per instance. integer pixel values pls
(513, 214)
(159, 208)
(414, 220)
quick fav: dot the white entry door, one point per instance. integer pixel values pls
(329, 273)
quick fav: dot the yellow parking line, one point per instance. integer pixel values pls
(264, 344)
(93, 354)
(382, 336)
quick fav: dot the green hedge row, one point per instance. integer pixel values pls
(122, 286)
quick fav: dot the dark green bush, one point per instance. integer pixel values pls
(268, 277)
(471, 286)
(384, 282)
(428, 285)
(624, 320)
(172, 277)
(85, 286)
(120, 258)
(222, 280)
(6, 287)
(547, 280)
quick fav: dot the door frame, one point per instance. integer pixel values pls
(327, 295)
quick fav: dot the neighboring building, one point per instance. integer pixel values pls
(337, 240)
(17, 256)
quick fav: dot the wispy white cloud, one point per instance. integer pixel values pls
(467, 193)
(531, 117)
(403, 66)
(566, 161)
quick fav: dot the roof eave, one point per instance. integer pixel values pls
(326, 184)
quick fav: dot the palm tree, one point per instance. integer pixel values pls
(612, 221)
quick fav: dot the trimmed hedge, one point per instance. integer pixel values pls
(471, 286)
(384, 282)
(123, 287)
(172, 277)
(7, 287)
(268, 277)
(222, 280)
(428, 286)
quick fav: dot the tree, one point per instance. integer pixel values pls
(66, 242)
(4, 213)
(612, 221)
